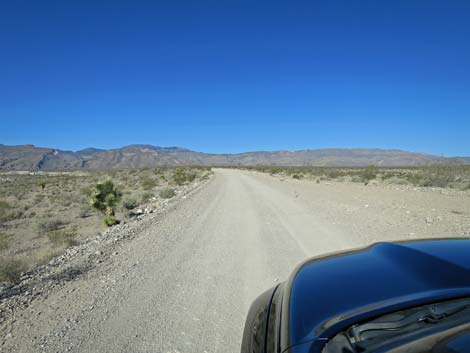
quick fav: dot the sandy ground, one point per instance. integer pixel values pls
(185, 283)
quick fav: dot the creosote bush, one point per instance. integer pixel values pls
(369, 174)
(130, 203)
(148, 183)
(167, 193)
(11, 269)
(181, 176)
(4, 242)
(84, 211)
(146, 196)
(4, 205)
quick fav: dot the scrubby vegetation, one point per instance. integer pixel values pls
(456, 177)
(50, 225)
(4, 242)
(167, 193)
(63, 237)
(7, 213)
(182, 176)
(11, 269)
(130, 203)
(41, 214)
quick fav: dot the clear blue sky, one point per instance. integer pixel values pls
(229, 76)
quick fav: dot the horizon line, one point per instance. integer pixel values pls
(235, 153)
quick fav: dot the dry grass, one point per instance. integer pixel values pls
(50, 225)
(63, 237)
(45, 255)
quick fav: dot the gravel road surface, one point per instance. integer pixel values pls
(186, 282)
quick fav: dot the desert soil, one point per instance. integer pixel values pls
(185, 282)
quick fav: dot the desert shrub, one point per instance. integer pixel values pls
(439, 176)
(67, 202)
(356, 179)
(397, 180)
(181, 176)
(63, 237)
(146, 196)
(369, 174)
(38, 198)
(11, 269)
(274, 170)
(17, 214)
(105, 197)
(4, 210)
(191, 176)
(4, 241)
(110, 220)
(333, 173)
(297, 176)
(414, 178)
(148, 183)
(84, 211)
(50, 225)
(130, 203)
(385, 175)
(167, 193)
(125, 179)
(11, 216)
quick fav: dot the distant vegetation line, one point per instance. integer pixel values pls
(441, 176)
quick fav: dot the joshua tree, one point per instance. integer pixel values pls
(104, 198)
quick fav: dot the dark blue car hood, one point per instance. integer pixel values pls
(328, 294)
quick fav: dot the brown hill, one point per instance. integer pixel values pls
(29, 157)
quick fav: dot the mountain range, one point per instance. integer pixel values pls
(30, 157)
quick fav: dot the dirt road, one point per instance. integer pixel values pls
(185, 284)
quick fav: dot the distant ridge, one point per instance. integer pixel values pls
(30, 157)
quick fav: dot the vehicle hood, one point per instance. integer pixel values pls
(329, 294)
